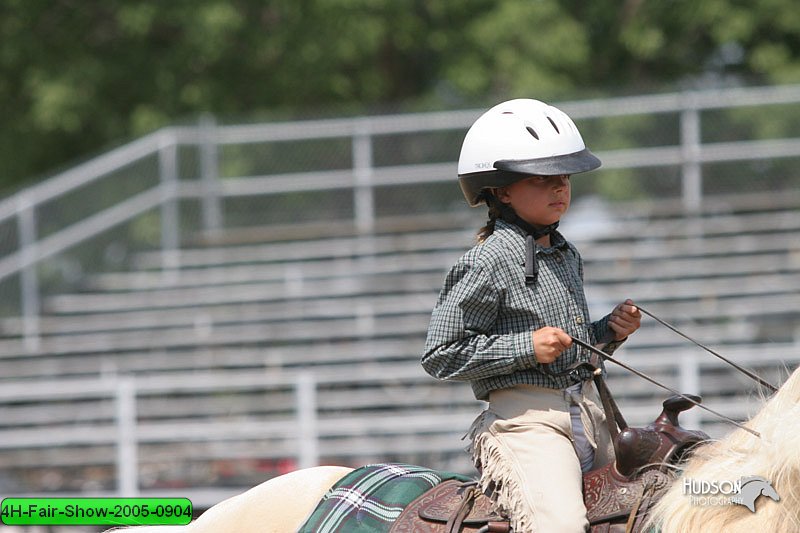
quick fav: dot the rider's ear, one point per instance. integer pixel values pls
(501, 193)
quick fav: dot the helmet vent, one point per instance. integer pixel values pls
(532, 132)
(554, 124)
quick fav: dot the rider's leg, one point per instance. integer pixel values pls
(524, 447)
(594, 422)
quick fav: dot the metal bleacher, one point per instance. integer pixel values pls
(224, 355)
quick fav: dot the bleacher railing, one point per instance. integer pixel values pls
(157, 163)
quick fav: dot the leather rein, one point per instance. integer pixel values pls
(610, 406)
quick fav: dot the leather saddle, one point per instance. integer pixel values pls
(451, 507)
(617, 495)
(663, 442)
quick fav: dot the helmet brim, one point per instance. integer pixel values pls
(574, 163)
(508, 171)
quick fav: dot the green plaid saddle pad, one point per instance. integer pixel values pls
(370, 498)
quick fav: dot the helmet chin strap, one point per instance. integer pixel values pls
(531, 265)
(532, 234)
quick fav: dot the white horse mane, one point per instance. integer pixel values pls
(774, 457)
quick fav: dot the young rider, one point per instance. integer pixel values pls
(505, 319)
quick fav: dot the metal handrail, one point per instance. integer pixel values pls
(363, 177)
(82, 174)
(85, 173)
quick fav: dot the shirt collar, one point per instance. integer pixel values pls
(514, 237)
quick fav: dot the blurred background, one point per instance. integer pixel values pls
(224, 224)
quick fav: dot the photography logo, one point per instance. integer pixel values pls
(743, 492)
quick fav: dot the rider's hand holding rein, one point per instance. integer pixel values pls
(549, 343)
(625, 319)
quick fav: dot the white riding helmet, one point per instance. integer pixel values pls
(520, 138)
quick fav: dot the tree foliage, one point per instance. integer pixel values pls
(77, 75)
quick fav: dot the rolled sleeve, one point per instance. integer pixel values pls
(604, 335)
(462, 344)
(523, 350)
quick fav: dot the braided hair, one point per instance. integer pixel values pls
(495, 212)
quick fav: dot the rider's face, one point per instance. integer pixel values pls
(538, 200)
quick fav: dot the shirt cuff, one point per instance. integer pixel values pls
(523, 351)
(612, 346)
(604, 336)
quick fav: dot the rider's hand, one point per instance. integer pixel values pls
(549, 343)
(625, 319)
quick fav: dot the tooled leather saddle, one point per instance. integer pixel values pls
(617, 496)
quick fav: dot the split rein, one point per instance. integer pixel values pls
(606, 357)
(741, 369)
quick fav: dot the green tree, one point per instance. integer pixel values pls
(76, 76)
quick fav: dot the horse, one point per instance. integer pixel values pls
(263, 508)
(283, 504)
(774, 457)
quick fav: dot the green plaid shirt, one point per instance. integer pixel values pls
(480, 329)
